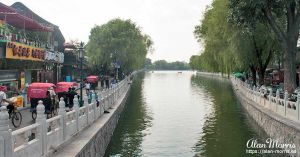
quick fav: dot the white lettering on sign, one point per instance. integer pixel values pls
(54, 56)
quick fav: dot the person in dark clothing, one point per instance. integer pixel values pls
(70, 96)
(47, 102)
(107, 81)
(102, 81)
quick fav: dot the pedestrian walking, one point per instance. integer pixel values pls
(70, 96)
(102, 81)
(107, 81)
(52, 95)
(48, 102)
(87, 87)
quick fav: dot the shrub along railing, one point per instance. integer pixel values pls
(46, 135)
(283, 107)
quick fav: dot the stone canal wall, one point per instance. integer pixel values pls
(277, 117)
(212, 75)
(209, 74)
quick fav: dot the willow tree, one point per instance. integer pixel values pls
(229, 46)
(118, 41)
(214, 33)
(283, 17)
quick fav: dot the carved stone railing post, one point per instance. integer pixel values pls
(286, 95)
(86, 104)
(106, 92)
(277, 98)
(253, 93)
(270, 96)
(62, 113)
(94, 104)
(101, 102)
(113, 95)
(42, 131)
(6, 144)
(118, 90)
(97, 104)
(110, 98)
(76, 108)
(298, 105)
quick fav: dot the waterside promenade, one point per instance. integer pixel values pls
(279, 118)
(48, 136)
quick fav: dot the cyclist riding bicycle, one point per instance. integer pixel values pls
(9, 103)
(14, 114)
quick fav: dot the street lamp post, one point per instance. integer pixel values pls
(81, 56)
(115, 64)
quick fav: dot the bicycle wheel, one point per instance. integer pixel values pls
(33, 115)
(16, 119)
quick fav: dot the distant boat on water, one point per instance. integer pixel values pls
(179, 72)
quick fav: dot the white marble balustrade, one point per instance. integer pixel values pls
(48, 134)
(283, 107)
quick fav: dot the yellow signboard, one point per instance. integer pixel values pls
(24, 52)
(2, 22)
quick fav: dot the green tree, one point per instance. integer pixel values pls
(164, 65)
(214, 33)
(148, 63)
(229, 46)
(284, 19)
(160, 65)
(118, 41)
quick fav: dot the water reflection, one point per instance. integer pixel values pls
(181, 115)
(225, 131)
(128, 134)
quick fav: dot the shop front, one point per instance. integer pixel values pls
(20, 65)
(30, 57)
(35, 64)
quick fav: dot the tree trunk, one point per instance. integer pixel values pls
(261, 74)
(288, 40)
(289, 69)
(263, 64)
(279, 64)
(253, 73)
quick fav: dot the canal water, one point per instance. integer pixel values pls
(181, 115)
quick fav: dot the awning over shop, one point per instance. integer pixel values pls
(12, 17)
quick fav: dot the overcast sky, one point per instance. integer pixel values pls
(170, 23)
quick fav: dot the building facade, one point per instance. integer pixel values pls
(30, 51)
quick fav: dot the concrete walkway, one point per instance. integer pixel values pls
(99, 132)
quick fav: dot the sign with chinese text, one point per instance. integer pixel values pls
(57, 57)
(24, 52)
